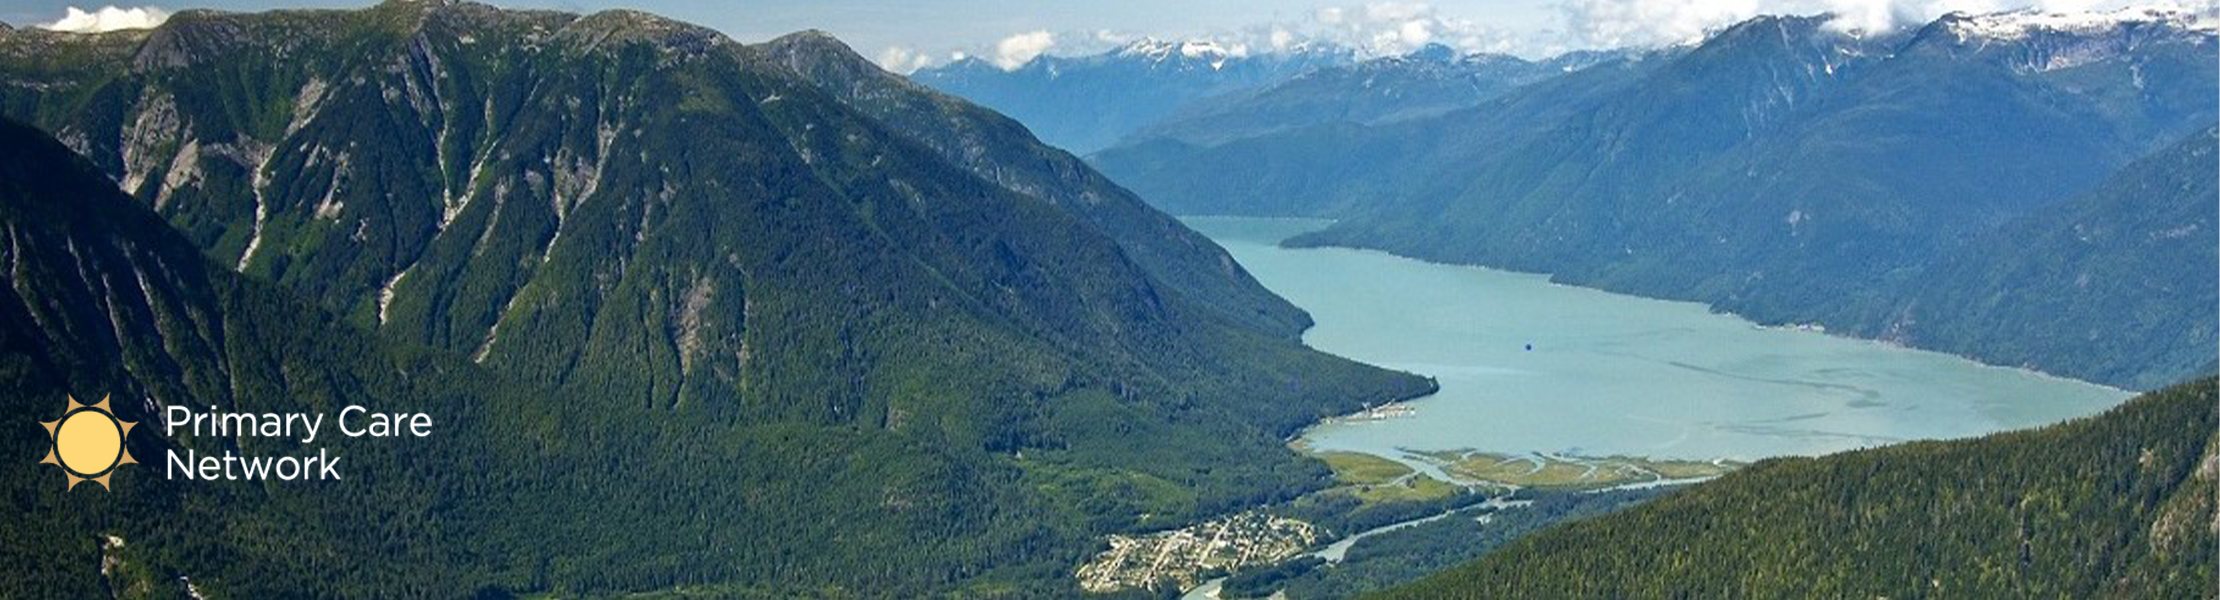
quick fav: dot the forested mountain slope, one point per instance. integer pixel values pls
(2116, 505)
(1337, 169)
(998, 149)
(704, 255)
(519, 488)
(102, 300)
(2109, 284)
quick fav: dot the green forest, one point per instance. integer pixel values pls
(2115, 505)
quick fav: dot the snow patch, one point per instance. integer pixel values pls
(2019, 24)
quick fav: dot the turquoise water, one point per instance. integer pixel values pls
(1611, 374)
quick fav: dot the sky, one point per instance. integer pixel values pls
(908, 34)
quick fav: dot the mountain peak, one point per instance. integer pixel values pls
(2019, 24)
(2039, 41)
(813, 35)
(1157, 49)
(625, 25)
(827, 61)
(813, 40)
(1434, 52)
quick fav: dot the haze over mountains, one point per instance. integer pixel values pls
(1084, 104)
(904, 332)
(1431, 81)
(1781, 169)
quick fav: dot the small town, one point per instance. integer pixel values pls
(1182, 557)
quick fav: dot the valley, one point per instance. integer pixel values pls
(1536, 380)
(1802, 306)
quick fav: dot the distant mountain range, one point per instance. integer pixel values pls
(1429, 82)
(1781, 169)
(807, 313)
(1084, 104)
(1204, 93)
(2119, 505)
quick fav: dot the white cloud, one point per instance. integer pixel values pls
(1014, 51)
(1384, 28)
(108, 18)
(1885, 15)
(904, 60)
(1618, 23)
(1379, 28)
(1390, 27)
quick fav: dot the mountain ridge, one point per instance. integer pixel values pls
(1083, 104)
(1429, 81)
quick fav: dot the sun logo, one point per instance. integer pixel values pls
(88, 442)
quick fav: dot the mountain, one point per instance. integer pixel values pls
(2098, 279)
(1084, 104)
(1340, 168)
(1428, 82)
(103, 300)
(810, 322)
(998, 149)
(2116, 505)
(1781, 169)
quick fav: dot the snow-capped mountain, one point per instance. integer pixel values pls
(2035, 41)
(1086, 103)
(1429, 81)
(2022, 24)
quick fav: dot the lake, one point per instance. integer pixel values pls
(1610, 374)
